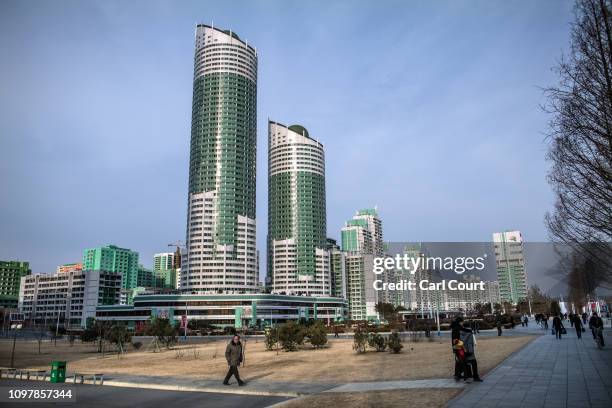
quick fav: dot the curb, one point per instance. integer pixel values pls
(238, 391)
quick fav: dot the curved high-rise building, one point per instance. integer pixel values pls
(221, 255)
(298, 261)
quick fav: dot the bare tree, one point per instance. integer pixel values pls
(581, 145)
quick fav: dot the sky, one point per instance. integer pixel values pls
(430, 111)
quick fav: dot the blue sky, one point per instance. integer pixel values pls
(429, 110)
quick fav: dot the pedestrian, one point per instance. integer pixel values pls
(233, 355)
(459, 353)
(571, 319)
(471, 366)
(578, 326)
(595, 322)
(498, 324)
(526, 319)
(584, 318)
(546, 321)
(557, 326)
(456, 329)
(336, 330)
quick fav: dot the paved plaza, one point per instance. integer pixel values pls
(547, 373)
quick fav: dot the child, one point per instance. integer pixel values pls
(459, 352)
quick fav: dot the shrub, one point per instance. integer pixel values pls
(136, 345)
(271, 338)
(119, 335)
(317, 334)
(163, 330)
(359, 341)
(377, 341)
(88, 335)
(290, 335)
(395, 343)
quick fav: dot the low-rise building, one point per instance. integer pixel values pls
(222, 310)
(70, 297)
(70, 267)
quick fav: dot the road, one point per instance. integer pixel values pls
(93, 396)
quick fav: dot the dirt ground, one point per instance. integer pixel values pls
(430, 398)
(337, 363)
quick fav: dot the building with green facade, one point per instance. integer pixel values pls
(111, 258)
(11, 273)
(510, 264)
(221, 254)
(362, 241)
(146, 277)
(337, 269)
(167, 269)
(298, 261)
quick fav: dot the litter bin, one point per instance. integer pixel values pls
(58, 371)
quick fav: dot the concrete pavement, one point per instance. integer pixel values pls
(548, 372)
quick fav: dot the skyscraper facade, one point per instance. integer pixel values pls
(163, 261)
(510, 263)
(362, 241)
(220, 254)
(337, 269)
(111, 258)
(298, 261)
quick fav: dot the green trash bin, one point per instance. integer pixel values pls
(58, 371)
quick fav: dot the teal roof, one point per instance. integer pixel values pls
(299, 129)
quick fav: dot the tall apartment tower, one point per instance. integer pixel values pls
(298, 261)
(337, 268)
(221, 255)
(163, 261)
(510, 263)
(362, 241)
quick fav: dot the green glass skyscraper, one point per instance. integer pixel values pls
(221, 255)
(298, 261)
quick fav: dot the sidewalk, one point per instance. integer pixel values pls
(547, 373)
(253, 387)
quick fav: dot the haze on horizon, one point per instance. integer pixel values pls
(429, 111)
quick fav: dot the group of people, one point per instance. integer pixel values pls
(542, 320)
(578, 322)
(463, 345)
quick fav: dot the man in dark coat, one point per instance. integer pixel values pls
(557, 326)
(470, 355)
(595, 322)
(233, 355)
(578, 325)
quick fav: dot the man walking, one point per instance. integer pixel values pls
(578, 325)
(557, 326)
(233, 355)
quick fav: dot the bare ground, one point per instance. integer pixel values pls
(338, 363)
